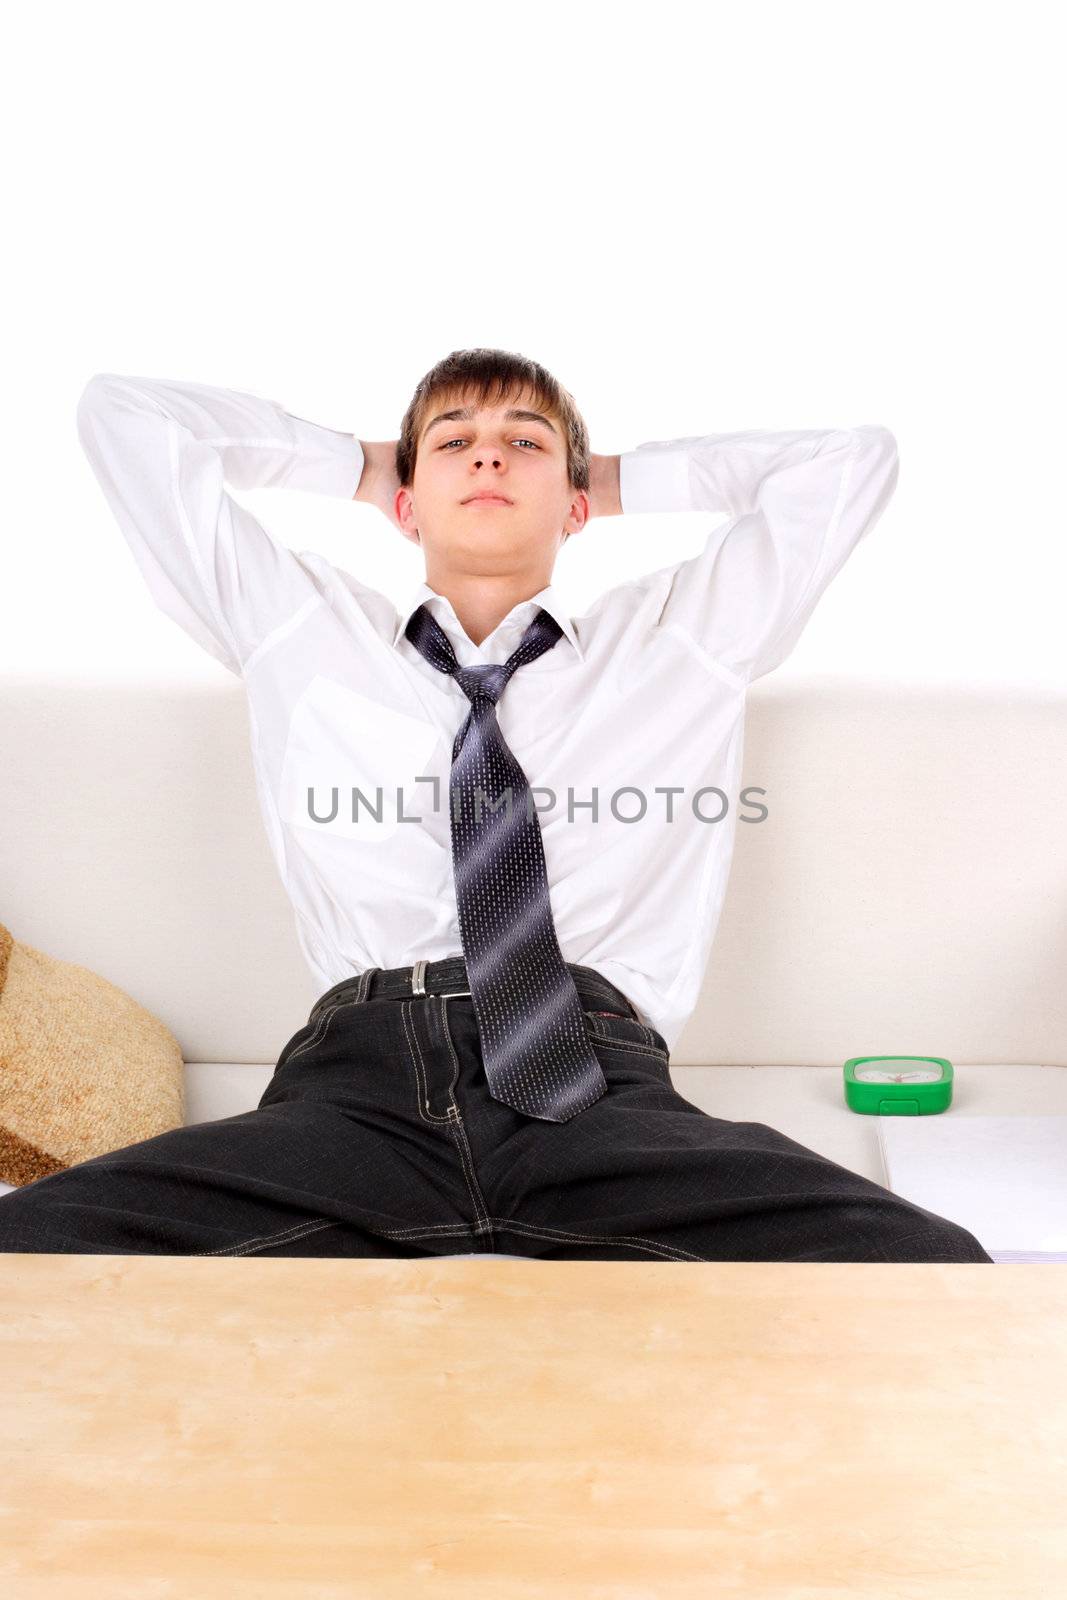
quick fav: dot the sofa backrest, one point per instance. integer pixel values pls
(907, 891)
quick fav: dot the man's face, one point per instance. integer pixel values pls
(491, 450)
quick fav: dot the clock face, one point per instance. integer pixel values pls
(898, 1071)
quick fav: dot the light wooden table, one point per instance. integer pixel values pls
(180, 1429)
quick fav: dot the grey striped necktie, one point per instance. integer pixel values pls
(537, 1054)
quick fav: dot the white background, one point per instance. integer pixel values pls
(700, 218)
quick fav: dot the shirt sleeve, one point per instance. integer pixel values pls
(162, 452)
(799, 503)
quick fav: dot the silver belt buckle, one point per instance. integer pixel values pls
(418, 984)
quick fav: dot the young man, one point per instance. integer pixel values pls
(505, 831)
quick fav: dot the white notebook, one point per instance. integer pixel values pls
(1004, 1179)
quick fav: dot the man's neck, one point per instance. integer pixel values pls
(481, 603)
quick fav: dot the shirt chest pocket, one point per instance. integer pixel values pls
(351, 763)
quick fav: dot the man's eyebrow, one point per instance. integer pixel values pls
(466, 414)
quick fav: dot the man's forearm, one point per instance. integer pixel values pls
(378, 458)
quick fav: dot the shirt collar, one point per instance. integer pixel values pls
(547, 599)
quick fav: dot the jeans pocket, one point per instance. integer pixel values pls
(629, 1038)
(311, 1034)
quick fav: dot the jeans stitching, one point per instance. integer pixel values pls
(415, 1056)
(451, 1117)
(436, 1227)
(320, 1031)
(483, 1224)
(298, 1230)
(654, 1248)
(603, 1037)
(460, 1134)
(628, 1044)
(327, 1017)
(443, 1010)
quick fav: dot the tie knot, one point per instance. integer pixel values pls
(486, 681)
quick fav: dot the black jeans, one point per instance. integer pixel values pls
(377, 1136)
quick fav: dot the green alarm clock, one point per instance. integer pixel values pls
(898, 1086)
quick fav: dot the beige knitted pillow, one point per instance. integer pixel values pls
(83, 1068)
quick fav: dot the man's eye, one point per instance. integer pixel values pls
(517, 441)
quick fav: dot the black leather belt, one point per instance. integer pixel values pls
(448, 980)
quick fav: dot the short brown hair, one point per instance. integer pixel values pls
(482, 374)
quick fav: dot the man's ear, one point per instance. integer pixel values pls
(405, 510)
(580, 509)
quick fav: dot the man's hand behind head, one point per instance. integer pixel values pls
(380, 482)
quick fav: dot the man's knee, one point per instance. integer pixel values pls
(31, 1218)
(964, 1245)
(23, 1221)
(927, 1237)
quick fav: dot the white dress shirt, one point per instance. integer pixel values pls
(645, 692)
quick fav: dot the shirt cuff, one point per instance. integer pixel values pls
(326, 461)
(655, 479)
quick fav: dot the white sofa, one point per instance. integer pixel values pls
(907, 891)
